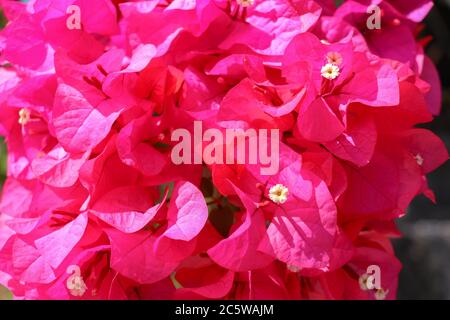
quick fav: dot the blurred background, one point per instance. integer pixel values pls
(424, 249)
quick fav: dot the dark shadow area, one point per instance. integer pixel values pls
(425, 248)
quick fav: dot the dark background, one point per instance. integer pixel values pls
(425, 248)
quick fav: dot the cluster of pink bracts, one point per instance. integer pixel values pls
(94, 207)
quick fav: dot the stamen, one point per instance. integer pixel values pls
(263, 204)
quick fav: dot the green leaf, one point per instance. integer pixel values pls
(2, 20)
(338, 2)
(5, 294)
(2, 161)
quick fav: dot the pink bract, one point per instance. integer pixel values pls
(93, 197)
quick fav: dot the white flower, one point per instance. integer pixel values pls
(334, 58)
(381, 294)
(75, 283)
(293, 268)
(419, 159)
(278, 193)
(245, 3)
(330, 71)
(363, 282)
(76, 286)
(24, 116)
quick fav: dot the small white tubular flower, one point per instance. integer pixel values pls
(75, 283)
(419, 159)
(330, 71)
(24, 116)
(363, 282)
(381, 294)
(278, 193)
(245, 3)
(334, 58)
(293, 268)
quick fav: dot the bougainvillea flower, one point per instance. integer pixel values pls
(94, 95)
(270, 25)
(303, 231)
(239, 252)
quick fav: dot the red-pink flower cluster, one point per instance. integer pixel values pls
(95, 208)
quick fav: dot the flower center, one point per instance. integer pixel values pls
(24, 116)
(419, 159)
(381, 294)
(245, 3)
(278, 193)
(363, 282)
(330, 71)
(75, 283)
(334, 58)
(293, 268)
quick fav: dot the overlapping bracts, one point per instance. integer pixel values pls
(95, 208)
